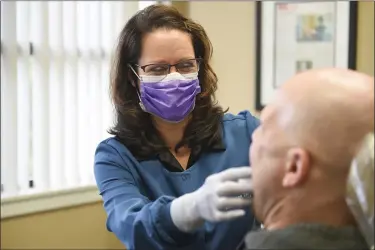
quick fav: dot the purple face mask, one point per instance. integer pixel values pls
(171, 98)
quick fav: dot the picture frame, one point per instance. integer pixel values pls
(294, 36)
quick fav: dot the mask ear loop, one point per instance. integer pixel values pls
(136, 88)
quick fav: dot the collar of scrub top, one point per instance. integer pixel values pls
(216, 145)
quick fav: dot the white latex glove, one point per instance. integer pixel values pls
(222, 197)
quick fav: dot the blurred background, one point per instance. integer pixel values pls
(55, 107)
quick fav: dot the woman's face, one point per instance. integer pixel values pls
(165, 47)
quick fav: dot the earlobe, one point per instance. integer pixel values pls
(131, 77)
(296, 167)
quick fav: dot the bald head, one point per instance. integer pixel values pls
(327, 112)
(308, 136)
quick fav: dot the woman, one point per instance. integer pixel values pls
(169, 137)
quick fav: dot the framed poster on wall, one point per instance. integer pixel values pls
(297, 36)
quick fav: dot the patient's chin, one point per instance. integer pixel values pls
(256, 209)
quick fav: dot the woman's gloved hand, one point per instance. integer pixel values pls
(222, 197)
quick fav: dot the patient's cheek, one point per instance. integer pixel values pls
(256, 180)
(254, 153)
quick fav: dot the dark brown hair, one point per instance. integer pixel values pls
(134, 127)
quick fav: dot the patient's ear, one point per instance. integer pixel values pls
(297, 166)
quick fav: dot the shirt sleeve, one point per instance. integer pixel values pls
(136, 221)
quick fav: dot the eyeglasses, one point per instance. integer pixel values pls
(163, 69)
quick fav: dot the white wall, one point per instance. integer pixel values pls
(231, 28)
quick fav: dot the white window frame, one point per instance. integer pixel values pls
(46, 201)
(34, 201)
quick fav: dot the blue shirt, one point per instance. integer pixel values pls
(137, 194)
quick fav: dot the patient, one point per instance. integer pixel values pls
(301, 156)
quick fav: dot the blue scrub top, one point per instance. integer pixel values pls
(137, 194)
